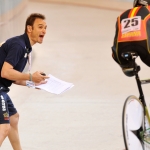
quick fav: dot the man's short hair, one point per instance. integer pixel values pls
(30, 20)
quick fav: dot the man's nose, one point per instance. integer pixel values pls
(44, 31)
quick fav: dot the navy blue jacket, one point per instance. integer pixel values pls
(14, 51)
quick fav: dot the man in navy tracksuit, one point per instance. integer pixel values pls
(14, 54)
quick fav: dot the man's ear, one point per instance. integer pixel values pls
(29, 28)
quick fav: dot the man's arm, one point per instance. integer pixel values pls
(23, 83)
(11, 74)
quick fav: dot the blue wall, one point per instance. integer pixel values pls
(6, 5)
(11, 18)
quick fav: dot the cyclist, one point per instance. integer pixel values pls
(133, 34)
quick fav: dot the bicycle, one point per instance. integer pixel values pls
(135, 116)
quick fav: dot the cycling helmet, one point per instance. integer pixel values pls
(141, 2)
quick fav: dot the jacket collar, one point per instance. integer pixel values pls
(27, 42)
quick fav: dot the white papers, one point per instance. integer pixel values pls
(55, 85)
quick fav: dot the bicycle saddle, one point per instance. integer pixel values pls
(132, 68)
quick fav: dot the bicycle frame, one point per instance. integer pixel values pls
(141, 127)
(141, 97)
(131, 57)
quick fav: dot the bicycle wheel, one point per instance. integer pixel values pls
(132, 121)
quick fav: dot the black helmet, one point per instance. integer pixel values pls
(141, 2)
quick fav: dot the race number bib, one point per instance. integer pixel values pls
(131, 24)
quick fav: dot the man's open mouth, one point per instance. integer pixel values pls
(41, 36)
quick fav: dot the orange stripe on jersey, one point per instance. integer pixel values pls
(130, 13)
(137, 11)
(147, 18)
(148, 7)
(133, 12)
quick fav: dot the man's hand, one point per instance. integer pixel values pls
(42, 82)
(38, 78)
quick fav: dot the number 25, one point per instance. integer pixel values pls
(131, 22)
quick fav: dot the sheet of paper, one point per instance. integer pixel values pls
(55, 85)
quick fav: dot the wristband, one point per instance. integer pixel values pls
(30, 77)
(30, 84)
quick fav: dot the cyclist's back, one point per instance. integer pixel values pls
(133, 33)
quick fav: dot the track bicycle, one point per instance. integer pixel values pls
(135, 116)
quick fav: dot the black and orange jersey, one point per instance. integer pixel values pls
(132, 26)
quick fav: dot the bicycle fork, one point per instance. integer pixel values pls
(141, 133)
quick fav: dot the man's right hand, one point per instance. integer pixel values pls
(37, 77)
